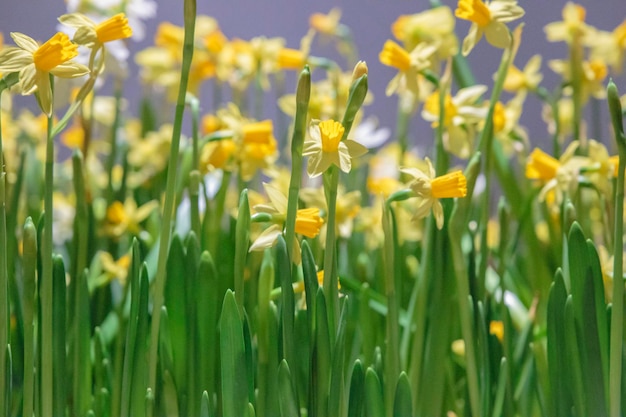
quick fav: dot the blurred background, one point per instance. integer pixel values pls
(369, 22)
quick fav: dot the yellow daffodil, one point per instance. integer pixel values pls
(113, 269)
(461, 115)
(433, 27)
(429, 189)
(324, 148)
(328, 24)
(572, 29)
(35, 63)
(559, 176)
(126, 217)
(308, 221)
(526, 79)
(408, 64)
(593, 75)
(95, 35)
(347, 207)
(488, 19)
(610, 47)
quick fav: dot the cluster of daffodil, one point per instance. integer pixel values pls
(305, 264)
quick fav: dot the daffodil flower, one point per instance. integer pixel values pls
(488, 19)
(408, 64)
(430, 188)
(35, 63)
(324, 148)
(461, 115)
(308, 221)
(558, 175)
(95, 35)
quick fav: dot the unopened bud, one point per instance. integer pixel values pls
(360, 69)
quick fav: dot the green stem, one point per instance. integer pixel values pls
(110, 163)
(617, 317)
(170, 191)
(331, 183)
(4, 284)
(46, 280)
(30, 276)
(302, 106)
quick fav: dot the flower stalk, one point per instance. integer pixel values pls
(170, 191)
(617, 316)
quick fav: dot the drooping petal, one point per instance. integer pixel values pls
(438, 213)
(44, 92)
(28, 80)
(472, 38)
(69, 70)
(498, 35)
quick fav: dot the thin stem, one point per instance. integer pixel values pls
(46, 280)
(617, 315)
(170, 191)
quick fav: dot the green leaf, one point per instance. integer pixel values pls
(58, 337)
(373, 401)
(322, 356)
(556, 344)
(402, 406)
(574, 372)
(176, 301)
(242, 240)
(357, 390)
(233, 365)
(82, 349)
(208, 300)
(286, 394)
(139, 374)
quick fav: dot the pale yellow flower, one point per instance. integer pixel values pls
(429, 188)
(408, 64)
(572, 29)
(526, 79)
(324, 148)
(461, 115)
(488, 19)
(94, 35)
(308, 221)
(433, 26)
(558, 176)
(328, 24)
(127, 217)
(610, 47)
(35, 63)
(113, 269)
(347, 207)
(594, 73)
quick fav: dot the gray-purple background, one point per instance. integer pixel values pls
(370, 22)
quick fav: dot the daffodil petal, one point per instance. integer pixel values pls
(355, 149)
(498, 35)
(266, 239)
(25, 42)
(44, 92)
(76, 20)
(472, 38)
(14, 59)
(69, 70)
(28, 80)
(343, 158)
